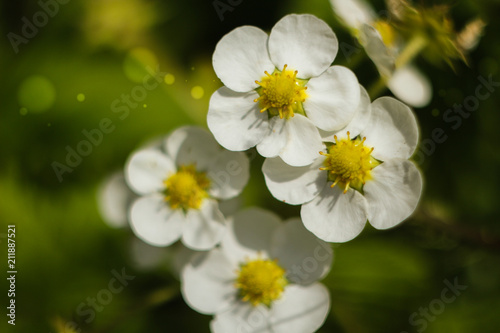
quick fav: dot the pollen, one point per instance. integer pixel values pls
(349, 163)
(186, 188)
(281, 93)
(261, 281)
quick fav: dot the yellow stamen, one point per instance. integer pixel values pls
(261, 281)
(186, 188)
(349, 163)
(281, 93)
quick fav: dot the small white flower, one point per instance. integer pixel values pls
(383, 46)
(179, 189)
(280, 88)
(262, 278)
(356, 179)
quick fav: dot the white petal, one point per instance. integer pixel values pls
(146, 170)
(304, 43)
(294, 185)
(333, 98)
(334, 216)
(228, 174)
(208, 282)
(275, 139)
(353, 13)
(393, 129)
(114, 198)
(358, 123)
(235, 119)
(301, 309)
(242, 318)
(249, 232)
(154, 222)
(241, 57)
(192, 145)
(393, 193)
(378, 52)
(303, 142)
(411, 86)
(305, 257)
(204, 227)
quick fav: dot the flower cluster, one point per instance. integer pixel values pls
(328, 147)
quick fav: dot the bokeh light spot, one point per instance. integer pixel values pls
(169, 79)
(80, 97)
(23, 111)
(36, 93)
(197, 92)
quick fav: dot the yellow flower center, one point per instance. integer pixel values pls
(281, 93)
(386, 31)
(261, 281)
(186, 188)
(349, 163)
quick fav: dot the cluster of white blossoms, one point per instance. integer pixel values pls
(327, 147)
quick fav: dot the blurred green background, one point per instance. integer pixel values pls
(73, 72)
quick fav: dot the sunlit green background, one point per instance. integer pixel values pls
(65, 80)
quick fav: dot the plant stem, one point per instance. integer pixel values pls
(412, 49)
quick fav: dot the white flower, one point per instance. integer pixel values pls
(356, 179)
(262, 278)
(383, 46)
(280, 88)
(179, 189)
